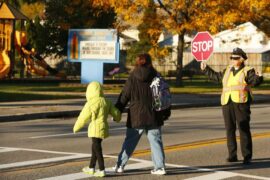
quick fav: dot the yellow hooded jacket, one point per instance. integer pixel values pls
(96, 111)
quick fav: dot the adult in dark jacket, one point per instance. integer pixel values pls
(141, 116)
(237, 80)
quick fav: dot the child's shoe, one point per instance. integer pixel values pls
(87, 170)
(100, 173)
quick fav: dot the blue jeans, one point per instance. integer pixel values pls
(132, 138)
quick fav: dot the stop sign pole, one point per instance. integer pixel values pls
(202, 46)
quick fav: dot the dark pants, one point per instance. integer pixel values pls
(97, 154)
(238, 114)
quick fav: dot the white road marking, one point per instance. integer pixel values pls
(68, 176)
(42, 151)
(84, 132)
(255, 177)
(214, 174)
(47, 160)
(57, 135)
(41, 161)
(224, 175)
(70, 134)
(109, 171)
(8, 150)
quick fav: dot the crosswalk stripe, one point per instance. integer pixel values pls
(214, 176)
(140, 164)
(68, 176)
(41, 151)
(79, 133)
(72, 134)
(224, 175)
(8, 150)
(75, 176)
(41, 161)
(253, 177)
(221, 175)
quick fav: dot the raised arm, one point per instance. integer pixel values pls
(253, 79)
(215, 76)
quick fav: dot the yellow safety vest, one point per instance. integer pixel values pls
(235, 87)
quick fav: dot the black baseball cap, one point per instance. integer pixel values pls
(238, 53)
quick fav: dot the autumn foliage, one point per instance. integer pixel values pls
(188, 16)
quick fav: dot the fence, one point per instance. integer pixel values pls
(218, 61)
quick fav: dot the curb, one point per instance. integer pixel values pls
(22, 117)
(75, 113)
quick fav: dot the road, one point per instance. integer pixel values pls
(194, 140)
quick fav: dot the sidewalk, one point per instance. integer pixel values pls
(40, 109)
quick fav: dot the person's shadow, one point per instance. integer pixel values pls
(130, 172)
(255, 164)
(262, 163)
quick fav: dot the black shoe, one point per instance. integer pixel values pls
(233, 159)
(246, 161)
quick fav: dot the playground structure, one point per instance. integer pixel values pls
(32, 59)
(10, 39)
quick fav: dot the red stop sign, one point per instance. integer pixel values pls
(202, 46)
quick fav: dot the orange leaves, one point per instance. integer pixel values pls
(231, 16)
(158, 53)
(33, 10)
(106, 5)
(189, 15)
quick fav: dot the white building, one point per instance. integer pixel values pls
(246, 36)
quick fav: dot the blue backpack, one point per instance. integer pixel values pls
(160, 93)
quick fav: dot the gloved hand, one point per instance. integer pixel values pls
(203, 65)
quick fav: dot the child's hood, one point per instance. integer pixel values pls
(94, 89)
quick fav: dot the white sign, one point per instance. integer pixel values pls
(97, 50)
(202, 46)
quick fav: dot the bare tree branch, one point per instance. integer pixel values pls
(164, 7)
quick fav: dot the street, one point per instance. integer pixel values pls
(194, 143)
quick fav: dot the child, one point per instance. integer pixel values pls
(96, 111)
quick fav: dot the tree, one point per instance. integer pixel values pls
(15, 3)
(262, 14)
(36, 35)
(147, 40)
(33, 9)
(48, 30)
(188, 16)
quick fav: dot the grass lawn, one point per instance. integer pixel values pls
(54, 90)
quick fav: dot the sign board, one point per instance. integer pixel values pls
(97, 50)
(202, 46)
(93, 45)
(92, 48)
